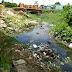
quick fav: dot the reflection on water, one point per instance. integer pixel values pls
(38, 36)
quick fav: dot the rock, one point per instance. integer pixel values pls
(70, 45)
(62, 63)
(0, 16)
(41, 27)
(10, 28)
(37, 33)
(46, 45)
(18, 62)
(17, 51)
(34, 46)
(44, 23)
(3, 25)
(31, 41)
(1, 21)
(49, 50)
(10, 13)
(32, 23)
(44, 53)
(17, 29)
(51, 25)
(35, 55)
(23, 13)
(20, 65)
(38, 19)
(30, 58)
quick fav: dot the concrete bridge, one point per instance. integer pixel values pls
(32, 9)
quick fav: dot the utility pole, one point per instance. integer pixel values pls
(3, 3)
(49, 2)
(12, 1)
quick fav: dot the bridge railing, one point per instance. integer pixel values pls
(31, 7)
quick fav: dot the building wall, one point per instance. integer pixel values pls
(56, 7)
(59, 6)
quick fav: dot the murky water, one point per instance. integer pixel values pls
(38, 36)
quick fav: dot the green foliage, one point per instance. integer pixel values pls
(68, 16)
(66, 7)
(36, 3)
(5, 46)
(32, 16)
(8, 4)
(42, 6)
(61, 20)
(19, 5)
(57, 3)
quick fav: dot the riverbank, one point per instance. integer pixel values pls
(59, 27)
(16, 21)
(12, 22)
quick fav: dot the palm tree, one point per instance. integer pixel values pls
(36, 3)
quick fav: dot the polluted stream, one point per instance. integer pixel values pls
(40, 36)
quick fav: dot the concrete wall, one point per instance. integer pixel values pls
(56, 7)
(59, 6)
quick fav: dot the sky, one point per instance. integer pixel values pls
(40, 2)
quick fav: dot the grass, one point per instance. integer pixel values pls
(61, 28)
(5, 46)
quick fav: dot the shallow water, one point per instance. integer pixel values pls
(42, 36)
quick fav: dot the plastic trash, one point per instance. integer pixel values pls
(35, 55)
(34, 46)
(70, 46)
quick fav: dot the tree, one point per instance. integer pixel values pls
(42, 6)
(8, 4)
(57, 3)
(19, 4)
(36, 3)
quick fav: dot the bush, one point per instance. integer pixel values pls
(8, 4)
(68, 16)
(66, 7)
(62, 20)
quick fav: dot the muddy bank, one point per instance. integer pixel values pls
(58, 39)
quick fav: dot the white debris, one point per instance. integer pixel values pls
(34, 46)
(23, 49)
(70, 46)
(3, 25)
(10, 13)
(18, 62)
(35, 55)
(44, 53)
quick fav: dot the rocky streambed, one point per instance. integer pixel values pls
(48, 53)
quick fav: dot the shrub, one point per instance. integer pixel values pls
(68, 16)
